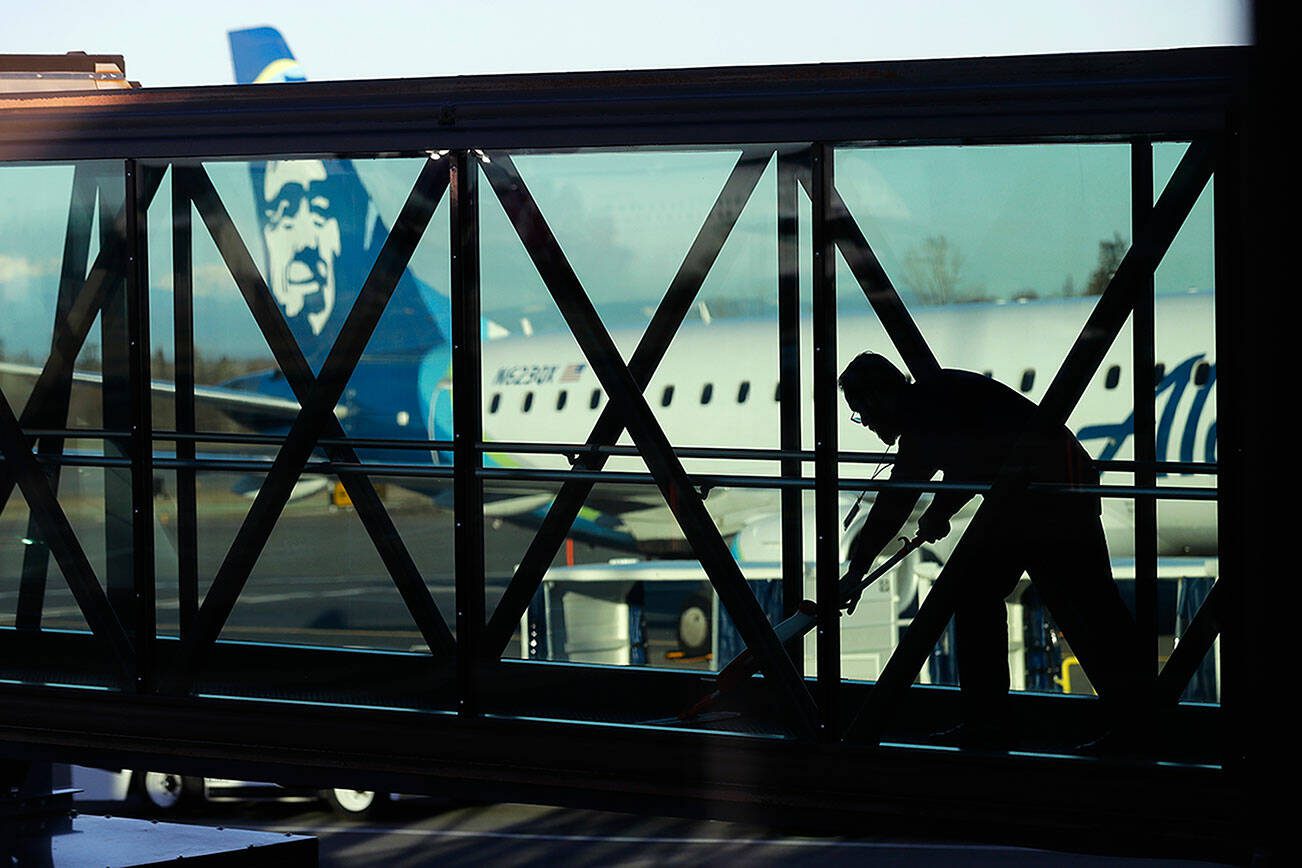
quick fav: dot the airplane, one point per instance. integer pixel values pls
(540, 388)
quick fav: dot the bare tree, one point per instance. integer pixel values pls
(1110, 253)
(932, 270)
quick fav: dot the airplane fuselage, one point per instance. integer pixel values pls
(717, 386)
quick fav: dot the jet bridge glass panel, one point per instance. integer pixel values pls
(258, 265)
(651, 236)
(66, 513)
(314, 228)
(1185, 428)
(241, 480)
(1041, 220)
(250, 269)
(992, 250)
(245, 288)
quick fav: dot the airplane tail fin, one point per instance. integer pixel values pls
(260, 55)
(321, 232)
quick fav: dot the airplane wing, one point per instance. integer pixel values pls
(265, 411)
(239, 404)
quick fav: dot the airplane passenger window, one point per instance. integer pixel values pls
(666, 396)
(707, 392)
(560, 400)
(1202, 373)
(1113, 377)
(528, 402)
(1028, 379)
(743, 391)
(495, 403)
(595, 400)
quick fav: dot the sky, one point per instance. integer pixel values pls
(1024, 220)
(170, 43)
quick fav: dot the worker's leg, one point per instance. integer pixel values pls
(981, 633)
(1069, 563)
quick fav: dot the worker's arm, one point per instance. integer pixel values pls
(889, 511)
(933, 524)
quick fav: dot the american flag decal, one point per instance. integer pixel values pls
(572, 373)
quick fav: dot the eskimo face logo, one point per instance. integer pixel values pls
(303, 239)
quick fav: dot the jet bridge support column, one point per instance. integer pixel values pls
(139, 412)
(1243, 604)
(187, 520)
(826, 469)
(793, 542)
(1142, 338)
(119, 556)
(467, 425)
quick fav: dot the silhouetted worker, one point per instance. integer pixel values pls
(966, 425)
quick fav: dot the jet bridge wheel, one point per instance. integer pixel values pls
(694, 630)
(355, 803)
(164, 792)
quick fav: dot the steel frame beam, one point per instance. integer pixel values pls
(318, 396)
(644, 770)
(651, 349)
(877, 287)
(626, 395)
(1192, 648)
(1116, 95)
(1100, 330)
(64, 545)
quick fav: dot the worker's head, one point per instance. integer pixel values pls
(874, 389)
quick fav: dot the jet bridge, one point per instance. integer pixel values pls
(152, 474)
